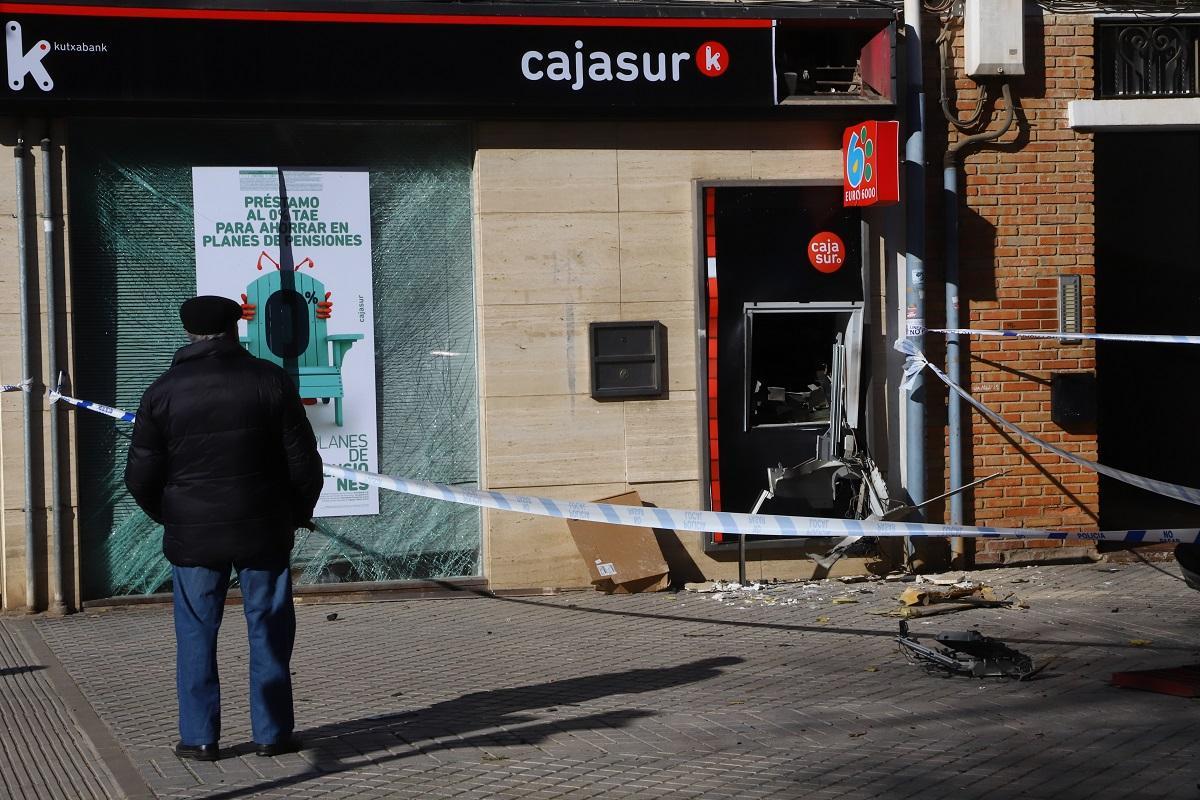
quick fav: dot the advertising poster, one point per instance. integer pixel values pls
(295, 250)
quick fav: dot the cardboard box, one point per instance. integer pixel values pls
(621, 558)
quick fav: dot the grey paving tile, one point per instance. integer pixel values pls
(660, 696)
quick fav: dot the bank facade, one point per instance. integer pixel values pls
(537, 187)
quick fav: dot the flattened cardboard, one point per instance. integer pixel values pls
(620, 558)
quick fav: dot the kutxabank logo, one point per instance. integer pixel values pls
(22, 62)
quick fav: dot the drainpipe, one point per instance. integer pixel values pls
(914, 256)
(953, 361)
(31, 586)
(54, 554)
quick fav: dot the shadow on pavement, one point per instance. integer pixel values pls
(6, 671)
(478, 720)
(949, 624)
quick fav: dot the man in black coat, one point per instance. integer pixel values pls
(223, 456)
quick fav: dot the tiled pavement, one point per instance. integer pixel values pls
(786, 695)
(44, 752)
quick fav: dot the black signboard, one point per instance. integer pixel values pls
(93, 55)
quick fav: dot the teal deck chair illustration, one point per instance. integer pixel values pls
(286, 326)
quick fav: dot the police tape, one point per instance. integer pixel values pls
(729, 522)
(107, 411)
(692, 520)
(1149, 338)
(23, 386)
(916, 362)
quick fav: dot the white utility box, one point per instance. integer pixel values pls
(995, 34)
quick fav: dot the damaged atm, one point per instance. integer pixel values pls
(786, 360)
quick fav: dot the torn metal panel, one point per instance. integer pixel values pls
(967, 653)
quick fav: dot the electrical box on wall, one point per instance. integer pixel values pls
(1073, 404)
(995, 37)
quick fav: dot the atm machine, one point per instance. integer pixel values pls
(785, 295)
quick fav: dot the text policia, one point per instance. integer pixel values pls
(263, 226)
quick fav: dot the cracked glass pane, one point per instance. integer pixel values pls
(133, 263)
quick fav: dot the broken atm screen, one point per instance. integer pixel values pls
(789, 370)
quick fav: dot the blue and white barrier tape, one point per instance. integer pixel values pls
(107, 411)
(693, 520)
(1150, 338)
(23, 386)
(728, 522)
(917, 361)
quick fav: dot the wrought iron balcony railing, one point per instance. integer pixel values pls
(1147, 60)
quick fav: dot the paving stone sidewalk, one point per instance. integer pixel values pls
(44, 751)
(780, 694)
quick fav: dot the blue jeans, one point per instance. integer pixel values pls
(271, 625)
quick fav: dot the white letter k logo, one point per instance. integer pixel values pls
(712, 60)
(21, 63)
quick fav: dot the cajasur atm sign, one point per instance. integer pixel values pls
(870, 164)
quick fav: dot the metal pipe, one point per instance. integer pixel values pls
(31, 583)
(953, 365)
(914, 256)
(54, 550)
(742, 559)
(954, 418)
(763, 497)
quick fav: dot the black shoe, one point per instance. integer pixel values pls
(198, 752)
(288, 744)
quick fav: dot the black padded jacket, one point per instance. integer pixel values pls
(223, 456)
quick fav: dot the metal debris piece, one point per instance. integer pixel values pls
(967, 653)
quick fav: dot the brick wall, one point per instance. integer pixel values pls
(1028, 218)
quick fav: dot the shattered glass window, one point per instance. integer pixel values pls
(133, 263)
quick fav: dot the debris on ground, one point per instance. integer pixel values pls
(921, 595)
(924, 596)
(943, 581)
(733, 594)
(930, 598)
(967, 653)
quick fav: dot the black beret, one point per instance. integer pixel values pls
(209, 314)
